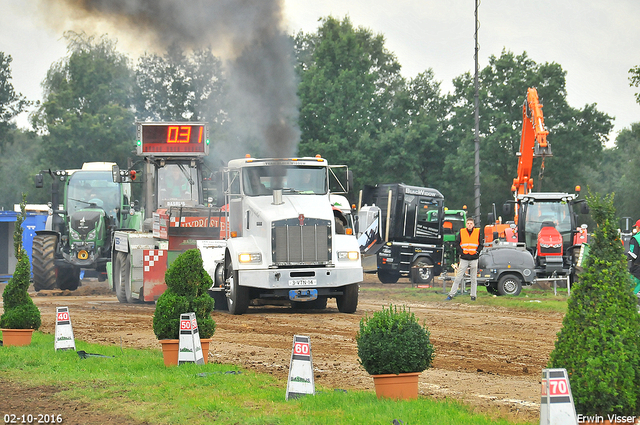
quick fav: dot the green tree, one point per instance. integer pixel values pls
(11, 103)
(576, 135)
(634, 80)
(618, 170)
(17, 164)
(348, 83)
(177, 87)
(86, 114)
(598, 344)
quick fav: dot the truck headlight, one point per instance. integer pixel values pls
(92, 234)
(250, 258)
(348, 255)
(74, 234)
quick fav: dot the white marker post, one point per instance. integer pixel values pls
(64, 332)
(300, 369)
(190, 350)
(556, 404)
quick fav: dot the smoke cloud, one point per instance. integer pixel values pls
(247, 34)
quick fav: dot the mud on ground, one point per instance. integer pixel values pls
(490, 358)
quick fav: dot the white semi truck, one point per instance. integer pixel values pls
(282, 241)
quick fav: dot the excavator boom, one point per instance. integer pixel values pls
(533, 143)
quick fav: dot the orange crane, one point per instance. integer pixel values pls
(533, 144)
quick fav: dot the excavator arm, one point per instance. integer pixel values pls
(533, 143)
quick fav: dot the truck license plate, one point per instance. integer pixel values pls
(303, 282)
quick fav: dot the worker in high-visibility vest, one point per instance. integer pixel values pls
(634, 256)
(469, 242)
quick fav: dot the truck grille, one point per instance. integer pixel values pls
(306, 244)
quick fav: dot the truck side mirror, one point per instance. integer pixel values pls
(115, 173)
(507, 209)
(491, 218)
(584, 208)
(349, 180)
(39, 180)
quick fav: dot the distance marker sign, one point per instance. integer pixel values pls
(556, 402)
(301, 369)
(189, 344)
(64, 332)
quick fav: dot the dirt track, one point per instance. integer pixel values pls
(489, 357)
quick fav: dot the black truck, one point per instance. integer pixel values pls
(411, 221)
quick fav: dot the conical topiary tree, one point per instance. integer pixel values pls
(187, 291)
(599, 343)
(19, 310)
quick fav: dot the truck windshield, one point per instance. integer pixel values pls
(428, 217)
(262, 180)
(557, 213)
(178, 186)
(93, 187)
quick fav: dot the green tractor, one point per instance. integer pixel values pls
(86, 207)
(454, 220)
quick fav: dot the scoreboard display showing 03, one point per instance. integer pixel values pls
(173, 139)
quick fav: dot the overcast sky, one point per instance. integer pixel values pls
(595, 42)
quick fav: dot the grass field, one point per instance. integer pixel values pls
(136, 384)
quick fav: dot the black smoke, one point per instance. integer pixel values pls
(248, 35)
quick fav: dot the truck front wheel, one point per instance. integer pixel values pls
(388, 277)
(422, 271)
(509, 284)
(43, 255)
(348, 301)
(238, 296)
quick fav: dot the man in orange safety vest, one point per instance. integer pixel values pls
(469, 242)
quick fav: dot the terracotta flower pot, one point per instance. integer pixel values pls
(401, 386)
(16, 337)
(170, 349)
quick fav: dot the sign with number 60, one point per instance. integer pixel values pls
(301, 348)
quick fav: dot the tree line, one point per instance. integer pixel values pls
(355, 108)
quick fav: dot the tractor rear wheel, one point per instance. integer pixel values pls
(42, 258)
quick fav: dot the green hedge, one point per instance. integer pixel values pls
(599, 343)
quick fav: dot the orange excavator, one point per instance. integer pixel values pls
(544, 221)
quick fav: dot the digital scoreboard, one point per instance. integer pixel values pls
(172, 139)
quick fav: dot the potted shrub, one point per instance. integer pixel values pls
(21, 316)
(599, 342)
(394, 348)
(187, 285)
